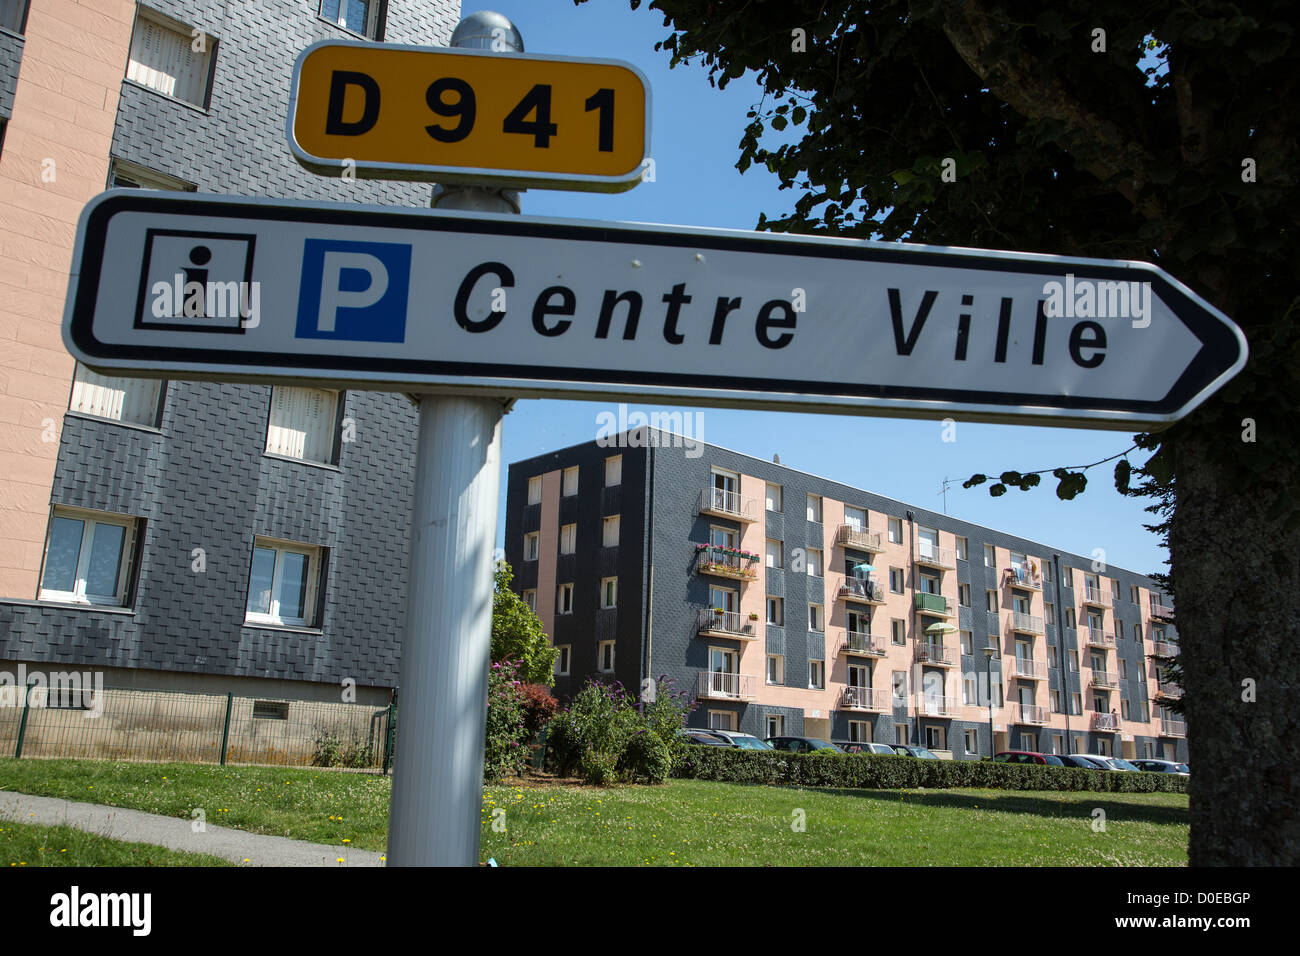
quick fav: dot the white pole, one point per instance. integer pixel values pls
(435, 811)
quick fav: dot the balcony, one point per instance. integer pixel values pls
(935, 605)
(931, 556)
(1166, 688)
(865, 698)
(849, 536)
(1097, 597)
(720, 686)
(728, 504)
(1163, 649)
(928, 706)
(930, 652)
(1028, 714)
(1024, 578)
(729, 624)
(1102, 679)
(1099, 637)
(867, 592)
(1106, 722)
(1027, 668)
(725, 562)
(1026, 623)
(1165, 611)
(1172, 728)
(860, 642)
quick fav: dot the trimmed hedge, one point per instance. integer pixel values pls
(880, 772)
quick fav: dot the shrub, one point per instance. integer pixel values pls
(645, 758)
(592, 735)
(331, 750)
(503, 750)
(539, 708)
(598, 767)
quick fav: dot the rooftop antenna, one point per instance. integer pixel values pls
(944, 491)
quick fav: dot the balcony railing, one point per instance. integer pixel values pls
(1028, 714)
(1172, 728)
(711, 622)
(860, 539)
(726, 562)
(1105, 722)
(728, 504)
(931, 652)
(865, 698)
(935, 557)
(867, 591)
(1022, 577)
(1164, 649)
(1102, 679)
(860, 642)
(1162, 610)
(935, 604)
(1167, 688)
(1028, 668)
(929, 706)
(1097, 637)
(721, 686)
(1028, 623)
(1098, 597)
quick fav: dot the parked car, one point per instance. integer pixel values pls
(907, 750)
(1097, 760)
(743, 741)
(1028, 756)
(867, 748)
(1163, 766)
(802, 745)
(1083, 763)
(1119, 763)
(706, 738)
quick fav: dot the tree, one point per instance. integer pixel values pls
(1162, 131)
(517, 633)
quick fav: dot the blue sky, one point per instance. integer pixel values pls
(696, 129)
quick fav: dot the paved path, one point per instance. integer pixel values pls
(135, 826)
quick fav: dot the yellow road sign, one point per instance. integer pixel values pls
(427, 113)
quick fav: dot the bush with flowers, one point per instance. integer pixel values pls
(505, 753)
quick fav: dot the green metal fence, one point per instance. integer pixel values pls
(119, 723)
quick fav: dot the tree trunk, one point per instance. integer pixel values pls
(1236, 582)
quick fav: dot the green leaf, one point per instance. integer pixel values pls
(997, 490)
(974, 480)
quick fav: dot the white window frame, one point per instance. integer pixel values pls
(372, 18)
(961, 547)
(775, 724)
(299, 424)
(816, 675)
(135, 402)
(91, 520)
(895, 530)
(816, 564)
(722, 720)
(563, 659)
(185, 75)
(816, 617)
(282, 548)
(770, 499)
(533, 544)
(569, 482)
(535, 490)
(972, 741)
(609, 592)
(859, 731)
(963, 594)
(530, 598)
(990, 556)
(568, 538)
(851, 512)
(778, 607)
(613, 471)
(898, 631)
(815, 504)
(601, 654)
(608, 537)
(775, 553)
(779, 660)
(561, 592)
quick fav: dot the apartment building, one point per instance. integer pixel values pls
(791, 604)
(176, 534)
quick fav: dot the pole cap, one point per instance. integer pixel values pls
(487, 30)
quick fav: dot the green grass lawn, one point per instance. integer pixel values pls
(26, 844)
(684, 823)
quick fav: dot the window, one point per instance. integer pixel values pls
(282, 583)
(609, 592)
(816, 617)
(963, 595)
(605, 657)
(995, 688)
(1069, 617)
(355, 16)
(12, 15)
(969, 695)
(1049, 613)
(570, 482)
(774, 558)
(775, 724)
(855, 518)
(990, 556)
(966, 647)
(900, 733)
(927, 542)
(775, 610)
(961, 548)
(898, 682)
(128, 175)
(972, 742)
(270, 710)
(896, 580)
(1076, 701)
(898, 631)
(303, 423)
(164, 59)
(773, 498)
(1123, 708)
(535, 490)
(859, 732)
(88, 557)
(815, 509)
(817, 674)
(722, 720)
(613, 471)
(568, 538)
(934, 737)
(895, 530)
(609, 528)
(133, 401)
(1074, 662)
(562, 659)
(1123, 669)
(1054, 701)
(1133, 594)
(1051, 655)
(815, 562)
(530, 598)
(564, 599)
(531, 545)
(1047, 571)
(991, 601)
(1119, 630)
(1114, 590)
(775, 669)
(927, 583)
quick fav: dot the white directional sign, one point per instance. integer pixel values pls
(208, 287)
